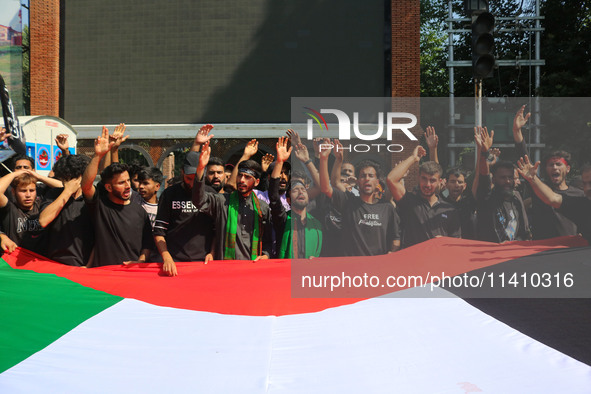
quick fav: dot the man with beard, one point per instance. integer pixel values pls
(181, 231)
(123, 231)
(369, 227)
(423, 214)
(462, 201)
(547, 222)
(500, 210)
(300, 234)
(576, 208)
(242, 222)
(215, 176)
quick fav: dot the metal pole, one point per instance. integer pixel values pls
(537, 117)
(478, 102)
(452, 109)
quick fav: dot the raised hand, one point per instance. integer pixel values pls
(483, 139)
(431, 138)
(102, 144)
(266, 161)
(495, 152)
(419, 152)
(203, 135)
(294, 137)
(118, 135)
(282, 152)
(205, 154)
(316, 142)
(72, 185)
(251, 148)
(338, 151)
(520, 120)
(301, 152)
(61, 140)
(526, 169)
(3, 135)
(324, 153)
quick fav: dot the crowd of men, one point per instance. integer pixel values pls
(252, 211)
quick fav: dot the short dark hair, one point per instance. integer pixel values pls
(502, 164)
(135, 168)
(70, 167)
(152, 173)
(297, 174)
(112, 170)
(23, 179)
(455, 171)
(22, 156)
(215, 161)
(367, 163)
(558, 153)
(251, 165)
(431, 168)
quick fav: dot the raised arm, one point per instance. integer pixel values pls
(394, 179)
(5, 181)
(51, 182)
(50, 212)
(283, 155)
(518, 122)
(203, 160)
(202, 137)
(251, 148)
(117, 138)
(324, 153)
(101, 147)
(61, 140)
(335, 174)
(301, 152)
(529, 172)
(432, 142)
(483, 144)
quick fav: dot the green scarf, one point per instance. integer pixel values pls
(232, 227)
(312, 234)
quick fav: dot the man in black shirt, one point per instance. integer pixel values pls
(575, 208)
(463, 201)
(369, 227)
(243, 229)
(547, 222)
(70, 234)
(123, 230)
(500, 210)
(181, 231)
(20, 220)
(423, 215)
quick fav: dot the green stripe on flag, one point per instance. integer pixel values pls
(37, 309)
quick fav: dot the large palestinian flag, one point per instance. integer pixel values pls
(237, 327)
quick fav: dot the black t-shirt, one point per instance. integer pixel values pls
(121, 231)
(70, 236)
(547, 222)
(368, 229)
(578, 209)
(466, 208)
(332, 224)
(23, 226)
(188, 232)
(421, 221)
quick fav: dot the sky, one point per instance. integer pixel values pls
(9, 13)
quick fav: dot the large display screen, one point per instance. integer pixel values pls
(186, 61)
